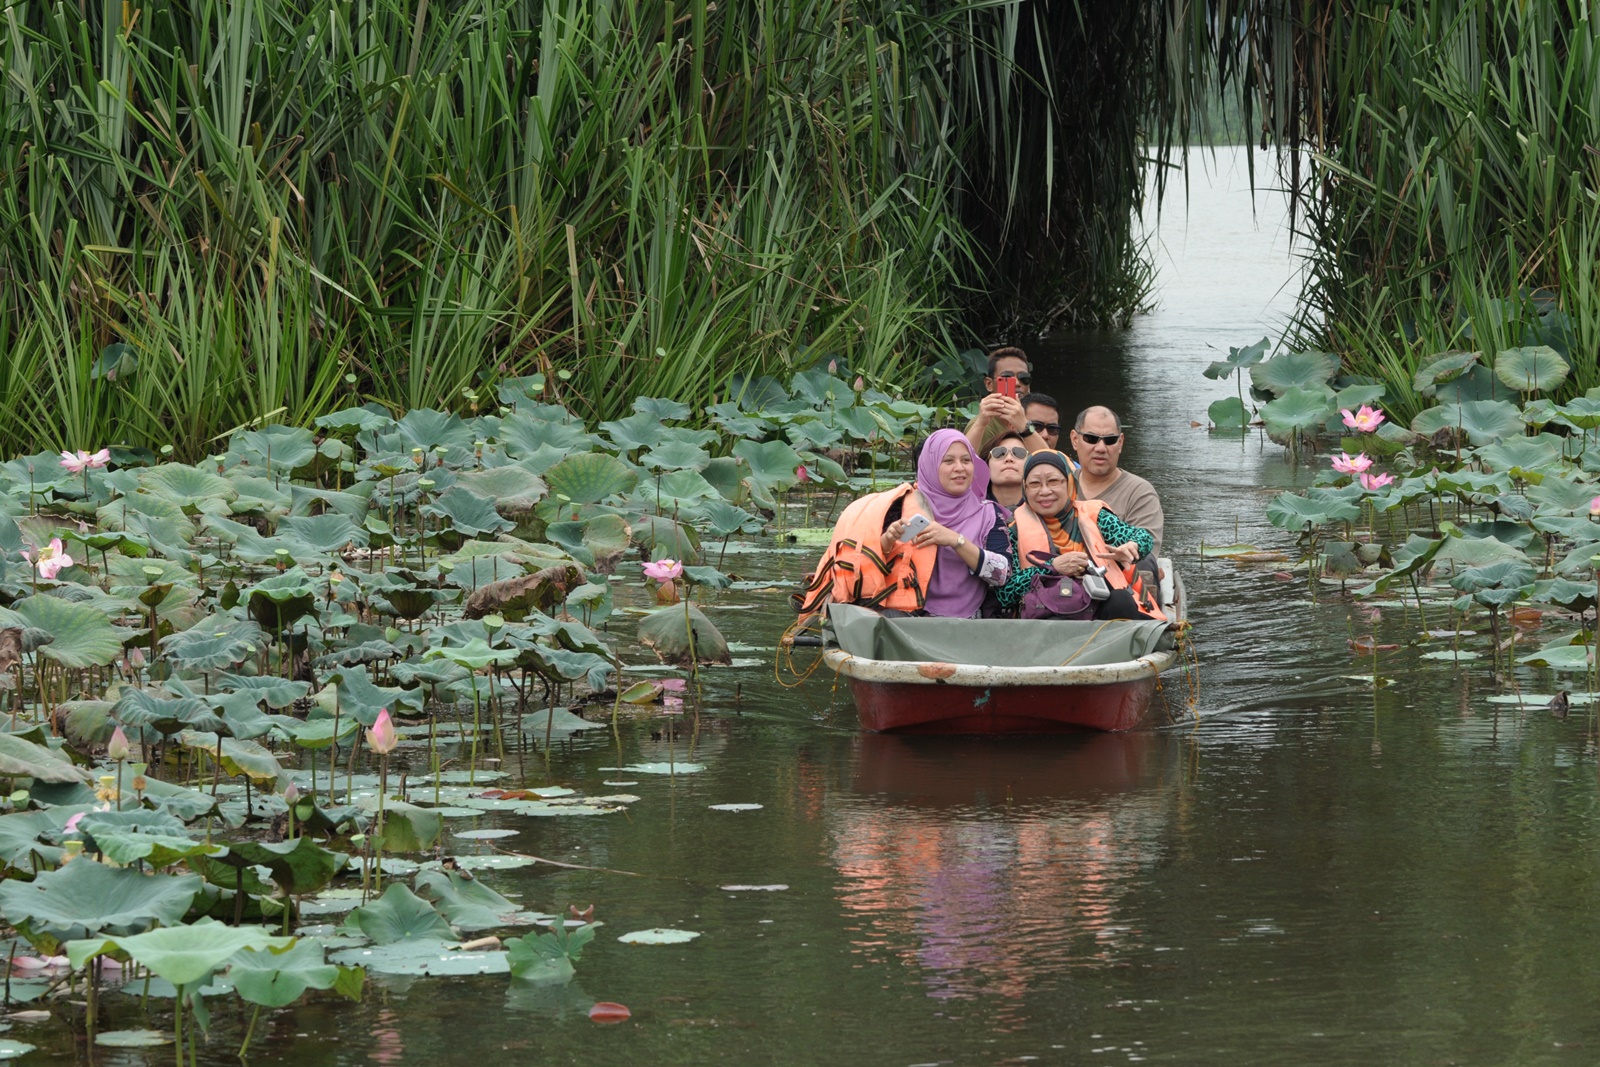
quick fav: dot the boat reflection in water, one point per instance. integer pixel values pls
(993, 863)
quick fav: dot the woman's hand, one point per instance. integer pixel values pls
(1071, 564)
(1125, 553)
(935, 534)
(891, 534)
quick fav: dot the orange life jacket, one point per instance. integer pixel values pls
(854, 570)
(1033, 536)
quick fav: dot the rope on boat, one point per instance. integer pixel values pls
(784, 654)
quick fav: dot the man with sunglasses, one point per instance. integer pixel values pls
(1097, 438)
(998, 412)
(1045, 415)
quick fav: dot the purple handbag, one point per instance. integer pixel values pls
(1056, 596)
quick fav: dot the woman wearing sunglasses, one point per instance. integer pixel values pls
(1054, 551)
(1006, 457)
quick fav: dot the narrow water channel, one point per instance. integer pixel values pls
(1314, 870)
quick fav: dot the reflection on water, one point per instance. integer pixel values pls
(990, 865)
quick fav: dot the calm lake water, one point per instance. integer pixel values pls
(1315, 870)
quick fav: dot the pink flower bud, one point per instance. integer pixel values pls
(118, 749)
(381, 735)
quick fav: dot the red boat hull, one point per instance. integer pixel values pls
(900, 707)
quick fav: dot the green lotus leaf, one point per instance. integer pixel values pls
(298, 865)
(433, 957)
(427, 429)
(859, 424)
(1507, 533)
(21, 758)
(258, 495)
(549, 956)
(277, 977)
(1238, 358)
(19, 838)
(736, 422)
(660, 409)
(132, 1038)
(237, 756)
(658, 936)
(1228, 414)
(724, 519)
(1560, 656)
(518, 392)
(1524, 453)
(166, 715)
(282, 448)
(180, 954)
(215, 643)
(408, 828)
(1574, 596)
(1558, 494)
(710, 577)
(474, 655)
(818, 388)
(680, 488)
(674, 456)
(524, 435)
(269, 689)
(568, 665)
(666, 632)
(80, 636)
(1581, 413)
(1297, 410)
(1440, 368)
(320, 535)
(1291, 511)
(634, 432)
(352, 691)
(400, 915)
(353, 420)
(591, 477)
(280, 599)
(1536, 369)
(189, 487)
(154, 518)
(1483, 421)
(772, 463)
(131, 546)
(1478, 552)
(126, 847)
(246, 541)
(663, 538)
(84, 898)
(813, 434)
(466, 513)
(352, 503)
(1515, 574)
(1294, 370)
(515, 490)
(470, 905)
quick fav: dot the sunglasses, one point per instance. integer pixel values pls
(1046, 427)
(1023, 378)
(1100, 438)
(1014, 451)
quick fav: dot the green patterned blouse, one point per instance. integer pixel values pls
(1114, 530)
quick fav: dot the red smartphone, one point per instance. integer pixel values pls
(1006, 387)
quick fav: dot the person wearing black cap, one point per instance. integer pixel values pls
(1048, 539)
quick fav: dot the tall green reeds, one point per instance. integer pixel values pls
(1442, 158)
(285, 207)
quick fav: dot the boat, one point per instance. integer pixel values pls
(931, 675)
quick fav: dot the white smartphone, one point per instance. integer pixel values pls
(915, 525)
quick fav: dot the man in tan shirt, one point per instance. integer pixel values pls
(1097, 438)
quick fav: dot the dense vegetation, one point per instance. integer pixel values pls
(1442, 163)
(212, 214)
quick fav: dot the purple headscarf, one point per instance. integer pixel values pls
(953, 590)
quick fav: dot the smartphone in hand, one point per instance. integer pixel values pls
(915, 525)
(1006, 387)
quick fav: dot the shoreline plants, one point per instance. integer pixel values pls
(241, 698)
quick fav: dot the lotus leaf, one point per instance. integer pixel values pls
(81, 636)
(466, 514)
(283, 448)
(515, 490)
(736, 422)
(400, 915)
(676, 455)
(1291, 511)
(470, 905)
(1574, 596)
(549, 956)
(1483, 421)
(83, 898)
(258, 495)
(1238, 358)
(590, 477)
(1562, 494)
(514, 598)
(408, 828)
(298, 865)
(1441, 368)
(1292, 370)
(125, 848)
(275, 692)
(1509, 533)
(1297, 410)
(427, 429)
(353, 420)
(276, 977)
(725, 519)
(517, 392)
(524, 435)
(1581, 413)
(189, 487)
(430, 956)
(320, 535)
(132, 1038)
(21, 758)
(1228, 414)
(772, 463)
(237, 756)
(1537, 369)
(679, 488)
(1513, 574)
(859, 424)
(666, 631)
(1528, 454)
(182, 955)
(1560, 656)
(280, 599)
(353, 693)
(19, 838)
(166, 715)
(215, 643)
(658, 936)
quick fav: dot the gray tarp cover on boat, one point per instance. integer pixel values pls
(993, 642)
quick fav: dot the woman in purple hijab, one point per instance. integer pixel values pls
(973, 554)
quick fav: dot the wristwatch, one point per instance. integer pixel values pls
(1029, 429)
(961, 539)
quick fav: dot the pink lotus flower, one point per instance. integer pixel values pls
(663, 570)
(1594, 507)
(802, 474)
(1376, 481)
(1346, 464)
(861, 383)
(80, 461)
(833, 366)
(291, 795)
(117, 748)
(72, 824)
(51, 561)
(381, 734)
(1365, 420)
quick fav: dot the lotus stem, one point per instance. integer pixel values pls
(249, 1032)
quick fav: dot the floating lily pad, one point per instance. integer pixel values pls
(10, 1049)
(484, 835)
(658, 936)
(665, 768)
(423, 957)
(1450, 654)
(753, 888)
(736, 807)
(133, 1038)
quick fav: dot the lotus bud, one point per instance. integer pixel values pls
(117, 748)
(833, 366)
(136, 657)
(291, 795)
(861, 383)
(381, 735)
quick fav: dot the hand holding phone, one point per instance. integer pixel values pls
(915, 525)
(1006, 387)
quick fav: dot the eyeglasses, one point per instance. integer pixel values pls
(1014, 451)
(1046, 427)
(1023, 378)
(1099, 438)
(1053, 483)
